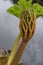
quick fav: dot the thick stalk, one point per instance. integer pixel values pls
(14, 49)
(19, 52)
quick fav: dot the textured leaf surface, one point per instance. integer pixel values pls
(39, 9)
(17, 8)
(24, 4)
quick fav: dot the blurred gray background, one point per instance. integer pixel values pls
(9, 29)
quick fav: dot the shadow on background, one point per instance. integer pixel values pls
(38, 1)
(14, 1)
(34, 1)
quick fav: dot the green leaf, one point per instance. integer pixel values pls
(39, 9)
(15, 10)
(29, 4)
(22, 4)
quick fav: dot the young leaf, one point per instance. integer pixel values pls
(22, 4)
(39, 9)
(15, 10)
(29, 4)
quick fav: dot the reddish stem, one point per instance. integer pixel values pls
(19, 52)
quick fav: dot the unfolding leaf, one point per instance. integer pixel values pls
(38, 8)
(28, 4)
(22, 4)
(15, 10)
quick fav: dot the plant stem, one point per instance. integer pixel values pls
(19, 52)
(14, 49)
